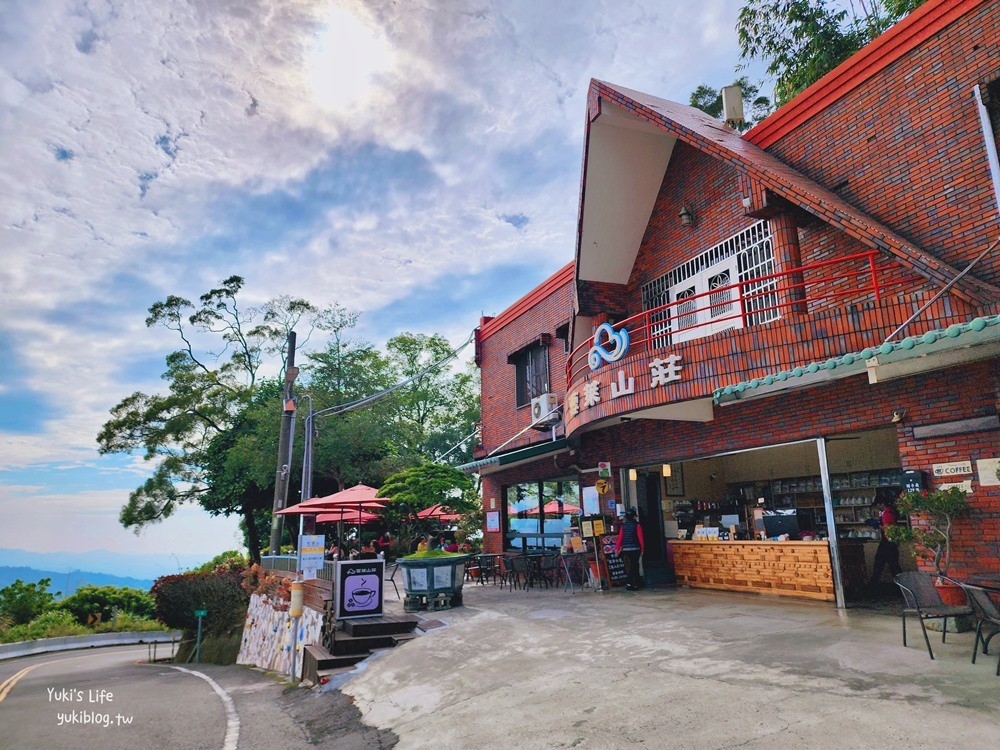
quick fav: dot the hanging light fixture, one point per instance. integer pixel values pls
(632, 475)
(687, 216)
(666, 470)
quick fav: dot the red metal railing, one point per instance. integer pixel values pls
(755, 299)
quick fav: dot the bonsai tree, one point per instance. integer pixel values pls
(935, 512)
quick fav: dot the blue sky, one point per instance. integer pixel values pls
(416, 164)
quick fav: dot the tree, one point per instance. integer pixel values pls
(803, 40)
(22, 602)
(755, 106)
(189, 430)
(439, 408)
(418, 488)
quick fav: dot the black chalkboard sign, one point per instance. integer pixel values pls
(616, 566)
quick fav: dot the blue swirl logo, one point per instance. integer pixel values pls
(601, 351)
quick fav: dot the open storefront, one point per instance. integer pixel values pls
(791, 520)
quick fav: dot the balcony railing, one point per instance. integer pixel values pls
(752, 302)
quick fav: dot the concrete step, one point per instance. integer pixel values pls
(344, 643)
(316, 659)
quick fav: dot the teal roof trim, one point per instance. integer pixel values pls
(908, 344)
(521, 454)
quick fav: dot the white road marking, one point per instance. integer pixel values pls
(232, 718)
(7, 685)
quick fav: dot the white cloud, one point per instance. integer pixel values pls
(82, 521)
(124, 127)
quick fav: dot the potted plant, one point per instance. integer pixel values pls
(933, 514)
(433, 580)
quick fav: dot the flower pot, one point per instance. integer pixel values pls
(950, 593)
(433, 583)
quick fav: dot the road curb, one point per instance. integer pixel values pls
(69, 642)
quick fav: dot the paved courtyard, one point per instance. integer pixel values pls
(675, 668)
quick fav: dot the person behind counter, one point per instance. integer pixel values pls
(630, 546)
(887, 552)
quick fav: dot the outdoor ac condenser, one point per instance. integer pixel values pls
(545, 409)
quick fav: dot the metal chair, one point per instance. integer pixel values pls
(391, 578)
(487, 569)
(924, 602)
(518, 570)
(987, 615)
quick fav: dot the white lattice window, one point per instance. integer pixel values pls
(743, 257)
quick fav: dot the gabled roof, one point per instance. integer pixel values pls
(699, 130)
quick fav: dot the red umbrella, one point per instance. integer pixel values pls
(358, 497)
(439, 513)
(348, 515)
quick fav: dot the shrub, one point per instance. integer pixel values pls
(178, 596)
(933, 514)
(52, 624)
(256, 580)
(125, 622)
(22, 602)
(88, 601)
(229, 560)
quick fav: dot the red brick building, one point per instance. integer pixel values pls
(811, 310)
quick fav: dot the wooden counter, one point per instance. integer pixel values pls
(799, 569)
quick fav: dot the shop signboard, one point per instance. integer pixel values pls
(989, 472)
(604, 469)
(602, 486)
(587, 528)
(311, 547)
(493, 520)
(359, 588)
(952, 469)
(616, 565)
(598, 526)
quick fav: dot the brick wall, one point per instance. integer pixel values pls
(850, 405)
(501, 417)
(907, 145)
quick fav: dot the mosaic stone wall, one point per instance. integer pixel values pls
(267, 635)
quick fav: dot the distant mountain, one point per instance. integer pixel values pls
(67, 583)
(103, 561)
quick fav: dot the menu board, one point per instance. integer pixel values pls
(616, 566)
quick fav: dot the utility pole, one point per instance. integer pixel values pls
(281, 477)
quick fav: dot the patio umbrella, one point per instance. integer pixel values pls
(359, 496)
(439, 513)
(349, 515)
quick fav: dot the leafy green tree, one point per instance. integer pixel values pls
(803, 40)
(439, 408)
(22, 602)
(187, 431)
(755, 106)
(102, 601)
(418, 488)
(229, 559)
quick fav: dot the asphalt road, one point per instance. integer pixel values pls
(112, 700)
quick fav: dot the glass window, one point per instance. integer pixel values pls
(532, 374)
(541, 508)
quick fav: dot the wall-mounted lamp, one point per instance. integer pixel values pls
(687, 216)
(666, 470)
(897, 415)
(633, 475)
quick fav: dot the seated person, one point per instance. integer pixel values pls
(451, 546)
(419, 544)
(368, 552)
(334, 552)
(383, 543)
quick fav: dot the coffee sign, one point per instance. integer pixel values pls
(954, 469)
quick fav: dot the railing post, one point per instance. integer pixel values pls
(874, 270)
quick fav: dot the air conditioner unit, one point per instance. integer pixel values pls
(545, 409)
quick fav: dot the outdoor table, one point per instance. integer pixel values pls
(578, 561)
